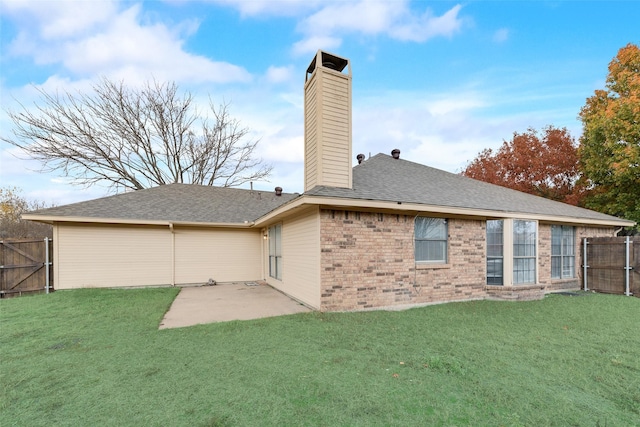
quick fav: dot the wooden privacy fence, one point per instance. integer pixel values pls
(612, 265)
(25, 266)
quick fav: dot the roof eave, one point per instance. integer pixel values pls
(339, 202)
(51, 219)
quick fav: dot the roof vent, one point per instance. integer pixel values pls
(395, 153)
(360, 158)
(278, 191)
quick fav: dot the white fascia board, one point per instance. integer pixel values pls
(123, 221)
(342, 203)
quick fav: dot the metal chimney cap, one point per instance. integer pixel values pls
(360, 158)
(329, 61)
(395, 153)
(278, 191)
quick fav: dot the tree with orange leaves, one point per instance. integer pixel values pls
(610, 144)
(541, 163)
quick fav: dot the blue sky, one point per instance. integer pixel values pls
(439, 80)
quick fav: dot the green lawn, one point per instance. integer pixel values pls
(96, 357)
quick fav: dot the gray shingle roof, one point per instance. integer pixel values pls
(385, 178)
(179, 203)
(380, 178)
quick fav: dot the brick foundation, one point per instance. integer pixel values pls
(515, 293)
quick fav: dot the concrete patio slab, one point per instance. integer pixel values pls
(228, 301)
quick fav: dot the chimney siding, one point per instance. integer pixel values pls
(327, 127)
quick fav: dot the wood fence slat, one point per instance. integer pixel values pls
(23, 266)
(22, 278)
(21, 252)
(606, 260)
(20, 265)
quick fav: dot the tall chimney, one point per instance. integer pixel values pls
(327, 122)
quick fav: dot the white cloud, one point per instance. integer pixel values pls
(57, 83)
(312, 44)
(59, 192)
(456, 102)
(59, 19)
(444, 130)
(426, 26)
(394, 19)
(262, 8)
(501, 35)
(363, 17)
(323, 23)
(117, 43)
(14, 162)
(283, 148)
(279, 74)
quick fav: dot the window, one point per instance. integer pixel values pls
(511, 252)
(431, 239)
(495, 252)
(275, 251)
(524, 251)
(563, 252)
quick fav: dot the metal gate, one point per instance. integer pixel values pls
(612, 265)
(25, 266)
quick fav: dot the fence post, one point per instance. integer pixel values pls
(584, 264)
(46, 264)
(627, 268)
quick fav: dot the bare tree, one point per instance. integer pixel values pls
(136, 138)
(12, 226)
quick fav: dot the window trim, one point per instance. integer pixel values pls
(275, 236)
(508, 253)
(533, 257)
(500, 257)
(435, 262)
(562, 256)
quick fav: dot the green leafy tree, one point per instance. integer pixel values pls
(610, 144)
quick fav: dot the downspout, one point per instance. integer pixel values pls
(263, 260)
(615, 233)
(173, 254)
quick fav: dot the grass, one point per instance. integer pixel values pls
(96, 357)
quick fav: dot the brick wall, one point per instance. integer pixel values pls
(367, 260)
(544, 254)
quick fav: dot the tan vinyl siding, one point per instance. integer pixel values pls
(118, 256)
(56, 251)
(112, 256)
(328, 129)
(336, 125)
(311, 136)
(225, 255)
(301, 259)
